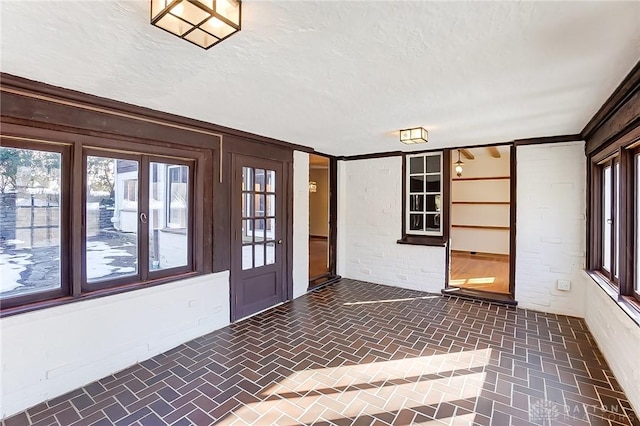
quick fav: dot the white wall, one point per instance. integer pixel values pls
(369, 224)
(618, 338)
(52, 351)
(300, 223)
(551, 224)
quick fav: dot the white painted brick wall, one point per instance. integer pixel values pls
(551, 205)
(618, 338)
(52, 351)
(370, 219)
(300, 223)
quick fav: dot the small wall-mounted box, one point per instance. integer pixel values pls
(564, 285)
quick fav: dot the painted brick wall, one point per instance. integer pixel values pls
(52, 351)
(370, 211)
(551, 226)
(300, 223)
(618, 338)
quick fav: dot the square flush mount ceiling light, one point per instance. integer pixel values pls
(204, 23)
(415, 135)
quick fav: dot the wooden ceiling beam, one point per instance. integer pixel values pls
(467, 154)
(495, 153)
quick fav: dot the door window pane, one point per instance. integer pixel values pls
(111, 213)
(30, 201)
(607, 220)
(168, 215)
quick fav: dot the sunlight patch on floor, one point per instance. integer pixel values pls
(371, 302)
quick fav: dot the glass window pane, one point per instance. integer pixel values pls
(271, 229)
(247, 257)
(416, 222)
(637, 283)
(433, 203)
(433, 222)
(416, 165)
(259, 184)
(271, 253)
(111, 213)
(271, 181)
(30, 198)
(433, 164)
(259, 231)
(617, 222)
(433, 183)
(247, 231)
(416, 203)
(247, 179)
(606, 219)
(259, 255)
(168, 215)
(271, 205)
(416, 184)
(260, 204)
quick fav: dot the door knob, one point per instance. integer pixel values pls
(279, 241)
(143, 218)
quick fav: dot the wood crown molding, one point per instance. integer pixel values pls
(22, 86)
(629, 85)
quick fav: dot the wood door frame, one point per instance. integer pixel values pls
(286, 219)
(512, 220)
(333, 219)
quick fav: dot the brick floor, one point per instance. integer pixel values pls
(363, 354)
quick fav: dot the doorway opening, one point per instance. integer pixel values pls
(480, 258)
(322, 213)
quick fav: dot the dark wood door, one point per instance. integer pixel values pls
(257, 238)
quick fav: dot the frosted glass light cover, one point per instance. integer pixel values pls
(201, 22)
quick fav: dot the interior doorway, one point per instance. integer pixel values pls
(481, 221)
(322, 177)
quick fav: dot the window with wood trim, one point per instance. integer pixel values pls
(34, 230)
(615, 220)
(135, 226)
(425, 198)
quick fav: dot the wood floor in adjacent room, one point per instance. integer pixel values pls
(355, 353)
(318, 256)
(483, 272)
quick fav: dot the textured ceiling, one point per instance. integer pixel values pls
(343, 77)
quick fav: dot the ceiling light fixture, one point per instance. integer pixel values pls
(459, 164)
(204, 23)
(415, 135)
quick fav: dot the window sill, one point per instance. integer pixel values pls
(423, 240)
(50, 303)
(628, 304)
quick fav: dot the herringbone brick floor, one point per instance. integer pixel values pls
(363, 354)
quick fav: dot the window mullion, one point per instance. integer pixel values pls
(143, 224)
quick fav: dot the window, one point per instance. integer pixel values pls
(134, 226)
(615, 222)
(129, 242)
(33, 234)
(424, 198)
(636, 287)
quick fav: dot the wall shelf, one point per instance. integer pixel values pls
(482, 202)
(482, 178)
(502, 228)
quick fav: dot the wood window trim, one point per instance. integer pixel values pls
(621, 289)
(75, 148)
(428, 240)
